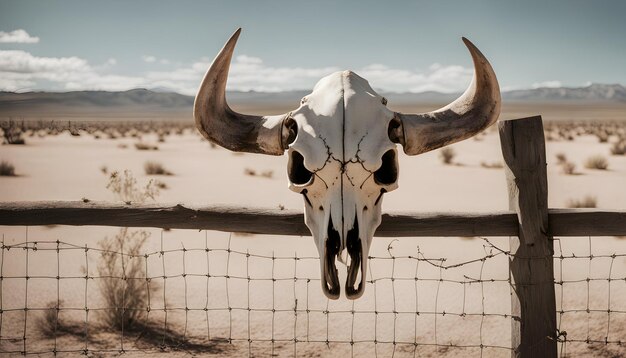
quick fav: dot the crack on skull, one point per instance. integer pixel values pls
(344, 163)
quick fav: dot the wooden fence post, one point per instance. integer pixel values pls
(533, 305)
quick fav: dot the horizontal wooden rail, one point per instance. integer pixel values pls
(563, 222)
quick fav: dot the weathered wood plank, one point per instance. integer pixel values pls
(533, 304)
(563, 222)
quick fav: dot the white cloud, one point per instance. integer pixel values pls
(17, 36)
(547, 84)
(154, 59)
(20, 70)
(148, 59)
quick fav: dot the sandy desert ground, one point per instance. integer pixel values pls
(66, 167)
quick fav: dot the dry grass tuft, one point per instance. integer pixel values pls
(568, 168)
(586, 202)
(125, 187)
(155, 168)
(161, 185)
(145, 146)
(619, 147)
(12, 132)
(561, 158)
(7, 169)
(265, 174)
(447, 154)
(493, 165)
(597, 162)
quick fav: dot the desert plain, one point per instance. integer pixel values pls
(281, 309)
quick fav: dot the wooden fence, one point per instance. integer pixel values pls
(529, 224)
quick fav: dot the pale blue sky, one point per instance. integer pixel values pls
(397, 45)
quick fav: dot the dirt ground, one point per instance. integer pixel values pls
(282, 300)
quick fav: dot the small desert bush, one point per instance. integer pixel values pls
(586, 202)
(266, 173)
(447, 154)
(145, 146)
(123, 285)
(7, 169)
(597, 162)
(619, 147)
(568, 168)
(161, 185)
(561, 158)
(125, 187)
(155, 168)
(12, 132)
(494, 165)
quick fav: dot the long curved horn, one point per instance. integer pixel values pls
(475, 110)
(227, 128)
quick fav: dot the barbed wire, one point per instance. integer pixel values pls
(295, 320)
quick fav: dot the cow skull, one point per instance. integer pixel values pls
(341, 143)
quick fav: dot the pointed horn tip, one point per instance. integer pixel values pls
(470, 46)
(234, 37)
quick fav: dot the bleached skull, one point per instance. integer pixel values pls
(341, 143)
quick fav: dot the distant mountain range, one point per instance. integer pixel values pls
(593, 92)
(157, 101)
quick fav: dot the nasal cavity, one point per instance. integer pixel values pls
(296, 171)
(387, 174)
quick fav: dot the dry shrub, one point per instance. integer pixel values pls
(568, 168)
(123, 285)
(561, 158)
(155, 168)
(7, 169)
(125, 187)
(122, 145)
(603, 137)
(265, 174)
(161, 185)
(619, 147)
(586, 202)
(447, 154)
(145, 146)
(12, 132)
(597, 162)
(493, 165)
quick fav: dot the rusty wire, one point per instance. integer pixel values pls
(18, 342)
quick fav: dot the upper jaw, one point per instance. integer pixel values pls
(332, 249)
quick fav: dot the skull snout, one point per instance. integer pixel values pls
(334, 245)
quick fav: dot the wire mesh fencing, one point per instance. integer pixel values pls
(232, 298)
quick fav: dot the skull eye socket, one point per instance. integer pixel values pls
(387, 174)
(297, 172)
